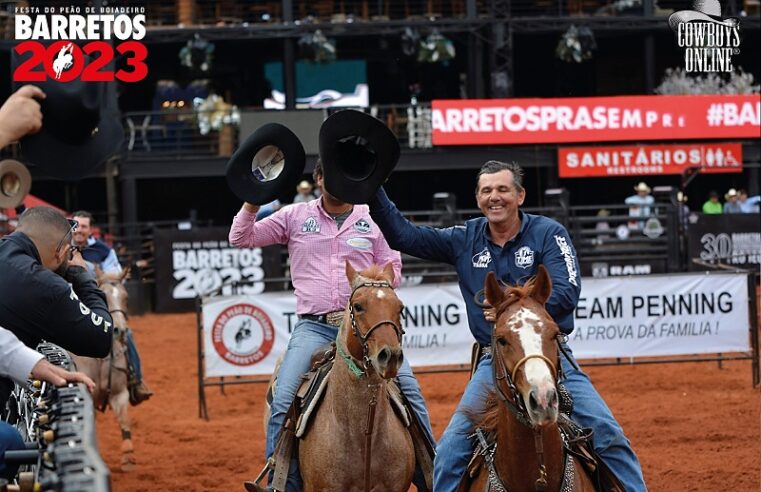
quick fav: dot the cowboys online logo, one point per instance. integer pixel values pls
(310, 225)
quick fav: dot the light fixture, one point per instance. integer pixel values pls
(197, 54)
(436, 49)
(576, 45)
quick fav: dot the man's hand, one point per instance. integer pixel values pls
(58, 376)
(21, 114)
(490, 314)
(77, 260)
(251, 208)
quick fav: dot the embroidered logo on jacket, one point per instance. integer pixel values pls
(362, 226)
(569, 258)
(310, 225)
(482, 259)
(524, 257)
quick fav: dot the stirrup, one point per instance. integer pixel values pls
(252, 485)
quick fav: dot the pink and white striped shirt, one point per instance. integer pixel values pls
(318, 249)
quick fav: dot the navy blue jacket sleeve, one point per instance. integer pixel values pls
(83, 324)
(559, 256)
(428, 243)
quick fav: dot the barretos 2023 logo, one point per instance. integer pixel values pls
(65, 43)
(708, 40)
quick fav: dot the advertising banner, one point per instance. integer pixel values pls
(199, 261)
(662, 315)
(616, 317)
(649, 160)
(245, 335)
(594, 119)
(731, 239)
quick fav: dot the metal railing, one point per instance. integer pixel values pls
(174, 133)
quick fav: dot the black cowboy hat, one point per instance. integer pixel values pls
(258, 182)
(358, 153)
(81, 126)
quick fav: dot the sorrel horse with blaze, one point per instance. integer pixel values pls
(356, 442)
(523, 412)
(110, 373)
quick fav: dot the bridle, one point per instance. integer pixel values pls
(374, 388)
(364, 339)
(514, 402)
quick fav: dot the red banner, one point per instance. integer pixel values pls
(648, 160)
(594, 119)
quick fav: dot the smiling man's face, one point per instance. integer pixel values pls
(498, 197)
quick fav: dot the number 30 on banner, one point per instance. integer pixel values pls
(64, 61)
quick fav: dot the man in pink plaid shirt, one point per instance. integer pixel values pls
(321, 234)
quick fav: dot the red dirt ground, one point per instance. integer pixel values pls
(694, 426)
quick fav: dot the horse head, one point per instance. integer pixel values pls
(524, 348)
(116, 294)
(374, 318)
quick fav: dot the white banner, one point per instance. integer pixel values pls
(662, 315)
(615, 317)
(245, 335)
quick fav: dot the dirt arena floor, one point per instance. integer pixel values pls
(694, 426)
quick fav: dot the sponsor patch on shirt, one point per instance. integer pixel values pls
(524, 257)
(568, 256)
(362, 226)
(482, 259)
(359, 243)
(310, 225)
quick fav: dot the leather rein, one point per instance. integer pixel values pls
(367, 366)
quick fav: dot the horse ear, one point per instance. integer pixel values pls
(542, 286)
(98, 271)
(388, 272)
(351, 273)
(493, 291)
(125, 274)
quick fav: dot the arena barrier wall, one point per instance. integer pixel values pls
(673, 317)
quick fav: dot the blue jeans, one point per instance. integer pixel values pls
(10, 440)
(307, 337)
(133, 357)
(589, 410)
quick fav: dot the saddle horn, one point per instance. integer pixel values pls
(15, 183)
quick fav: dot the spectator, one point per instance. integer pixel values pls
(748, 205)
(712, 205)
(732, 206)
(603, 227)
(97, 253)
(639, 205)
(304, 192)
(684, 210)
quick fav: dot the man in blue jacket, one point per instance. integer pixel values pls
(512, 244)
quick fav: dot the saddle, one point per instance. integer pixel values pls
(578, 444)
(305, 406)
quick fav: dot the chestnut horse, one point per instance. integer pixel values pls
(529, 455)
(356, 442)
(110, 373)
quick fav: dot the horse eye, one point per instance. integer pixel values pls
(502, 341)
(358, 307)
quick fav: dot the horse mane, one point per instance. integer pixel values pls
(515, 293)
(373, 272)
(486, 419)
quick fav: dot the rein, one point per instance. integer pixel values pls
(366, 366)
